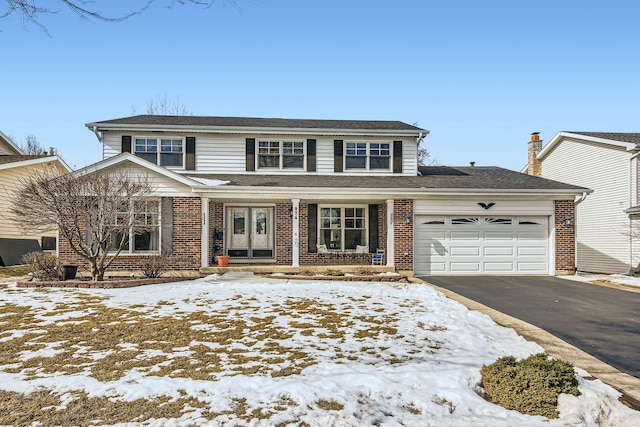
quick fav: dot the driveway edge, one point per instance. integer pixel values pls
(627, 385)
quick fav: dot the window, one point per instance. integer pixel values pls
(170, 151)
(145, 232)
(368, 155)
(281, 154)
(343, 228)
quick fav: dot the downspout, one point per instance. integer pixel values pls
(575, 229)
(632, 201)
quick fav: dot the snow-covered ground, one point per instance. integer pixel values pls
(268, 352)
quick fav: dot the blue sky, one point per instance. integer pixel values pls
(480, 75)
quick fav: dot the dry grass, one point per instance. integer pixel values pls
(83, 335)
(17, 271)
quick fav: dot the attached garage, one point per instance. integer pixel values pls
(481, 244)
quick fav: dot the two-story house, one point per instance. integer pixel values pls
(15, 165)
(291, 192)
(608, 221)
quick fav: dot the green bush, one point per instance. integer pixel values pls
(42, 265)
(530, 386)
(330, 272)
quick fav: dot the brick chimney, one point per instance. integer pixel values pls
(534, 167)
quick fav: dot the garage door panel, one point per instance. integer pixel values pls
(464, 251)
(498, 235)
(465, 235)
(465, 267)
(532, 250)
(481, 245)
(499, 267)
(493, 251)
(532, 267)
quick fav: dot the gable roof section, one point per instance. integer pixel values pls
(12, 146)
(128, 157)
(434, 179)
(9, 162)
(245, 124)
(628, 141)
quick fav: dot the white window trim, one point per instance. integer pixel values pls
(159, 147)
(131, 251)
(281, 154)
(342, 227)
(368, 156)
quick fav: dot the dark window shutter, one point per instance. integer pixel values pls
(126, 143)
(373, 228)
(190, 150)
(251, 154)
(337, 155)
(166, 226)
(397, 156)
(311, 155)
(312, 228)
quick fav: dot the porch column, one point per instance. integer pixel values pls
(390, 235)
(295, 233)
(204, 233)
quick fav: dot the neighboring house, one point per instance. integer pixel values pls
(14, 166)
(608, 163)
(290, 192)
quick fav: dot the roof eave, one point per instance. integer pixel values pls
(97, 126)
(37, 161)
(629, 146)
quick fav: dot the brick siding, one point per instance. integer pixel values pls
(565, 237)
(186, 242)
(403, 234)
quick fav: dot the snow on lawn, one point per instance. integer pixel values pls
(261, 352)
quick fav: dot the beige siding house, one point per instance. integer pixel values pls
(14, 166)
(608, 164)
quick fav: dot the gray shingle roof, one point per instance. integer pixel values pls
(633, 138)
(434, 177)
(254, 122)
(4, 159)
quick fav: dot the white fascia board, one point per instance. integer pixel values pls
(128, 157)
(629, 146)
(11, 144)
(37, 161)
(237, 192)
(257, 130)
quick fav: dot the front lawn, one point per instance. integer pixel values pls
(248, 352)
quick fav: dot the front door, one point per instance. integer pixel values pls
(251, 232)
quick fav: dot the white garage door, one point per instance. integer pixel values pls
(481, 245)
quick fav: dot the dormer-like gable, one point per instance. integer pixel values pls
(206, 144)
(8, 147)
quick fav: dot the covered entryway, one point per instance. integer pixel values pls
(251, 232)
(474, 244)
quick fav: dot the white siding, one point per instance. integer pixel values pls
(163, 186)
(10, 182)
(602, 231)
(220, 153)
(469, 206)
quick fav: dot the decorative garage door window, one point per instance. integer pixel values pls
(498, 221)
(464, 221)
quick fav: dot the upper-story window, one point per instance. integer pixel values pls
(281, 154)
(164, 151)
(368, 155)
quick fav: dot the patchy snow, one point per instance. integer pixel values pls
(209, 182)
(421, 369)
(624, 280)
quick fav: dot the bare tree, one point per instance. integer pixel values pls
(32, 11)
(95, 213)
(32, 146)
(163, 106)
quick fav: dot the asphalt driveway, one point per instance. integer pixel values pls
(602, 321)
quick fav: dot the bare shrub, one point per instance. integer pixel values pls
(42, 266)
(153, 266)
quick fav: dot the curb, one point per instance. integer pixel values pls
(627, 385)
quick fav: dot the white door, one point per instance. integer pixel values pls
(251, 232)
(481, 245)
